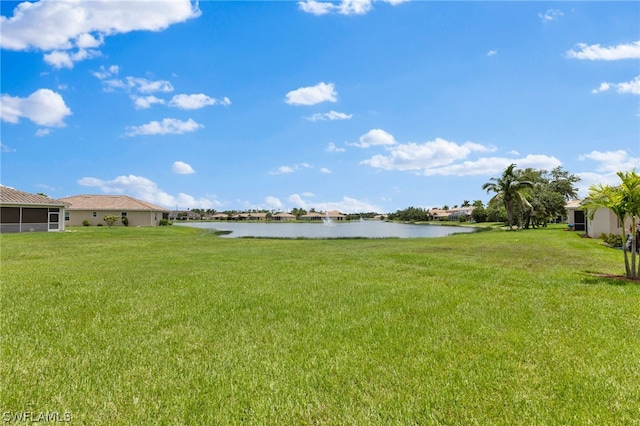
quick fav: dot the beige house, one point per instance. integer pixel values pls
(604, 220)
(249, 216)
(93, 208)
(220, 216)
(24, 212)
(335, 215)
(284, 216)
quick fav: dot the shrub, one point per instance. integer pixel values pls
(110, 219)
(99, 224)
(164, 222)
(613, 240)
(125, 221)
(86, 223)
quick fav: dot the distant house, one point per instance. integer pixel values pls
(312, 216)
(284, 217)
(451, 214)
(458, 212)
(249, 216)
(184, 215)
(24, 212)
(335, 215)
(439, 214)
(93, 208)
(220, 216)
(604, 220)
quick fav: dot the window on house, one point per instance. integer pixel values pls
(123, 214)
(66, 216)
(94, 214)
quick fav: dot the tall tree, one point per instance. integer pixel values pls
(509, 191)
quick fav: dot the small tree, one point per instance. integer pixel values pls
(110, 219)
(624, 201)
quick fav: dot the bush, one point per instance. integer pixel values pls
(86, 223)
(99, 224)
(164, 222)
(125, 221)
(613, 240)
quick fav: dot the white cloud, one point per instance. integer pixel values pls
(550, 15)
(608, 163)
(273, 203)
(146, 87)
(144, 102)
(282, 170)
(343, 7)
(612, 161)
(168, 126)
(290, 169)
(588, 179)
(6, 148)
(196, 101)
(492, 53)
(425, 156)
(62, 59)
(331, 115)
(333, 148)
(345, 205)
(43, 107)
(105, 73)
(137, 84)
(321, 92)
(492, 165)
(375, 137)
(315, 7)
(147, 190)
(325, 171)
(42, 132)
(182, 168)
(632, 87)
(596, 52)
(58, 26)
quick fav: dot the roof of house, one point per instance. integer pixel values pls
(13, 196)
(573, 204)
(109, 202)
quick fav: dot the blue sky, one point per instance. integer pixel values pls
(354, 105)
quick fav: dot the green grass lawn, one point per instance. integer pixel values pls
(176, 326)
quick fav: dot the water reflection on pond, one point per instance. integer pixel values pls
(351, 229)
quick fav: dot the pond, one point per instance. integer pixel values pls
(320, 230)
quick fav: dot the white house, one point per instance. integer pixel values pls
(604, 220)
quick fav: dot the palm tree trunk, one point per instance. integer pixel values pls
(509, 210)
(627, 267)
(634, 248)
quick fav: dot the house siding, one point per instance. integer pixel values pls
(136, 218)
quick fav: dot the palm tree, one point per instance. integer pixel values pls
(624, 202)
(509, 190)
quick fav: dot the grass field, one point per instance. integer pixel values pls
(175, 326)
